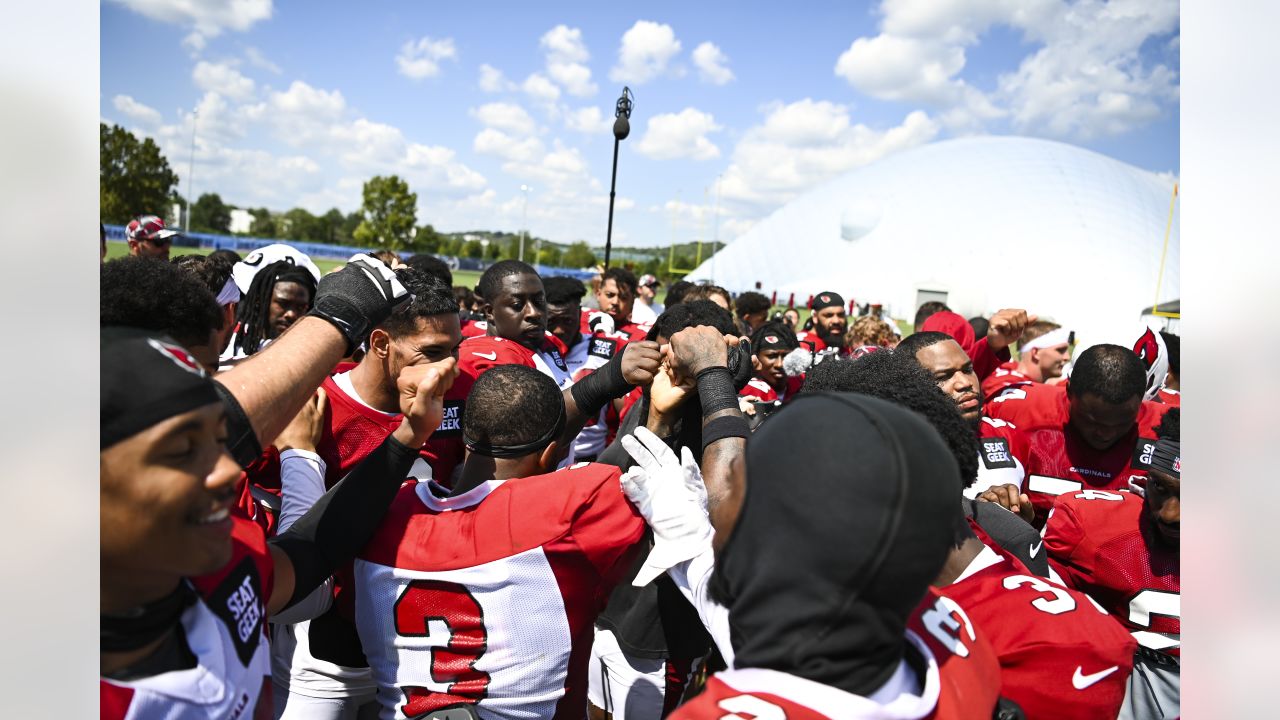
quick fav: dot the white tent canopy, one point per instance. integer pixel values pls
(982, 223)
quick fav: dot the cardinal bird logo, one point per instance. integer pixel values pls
(771, 339)
(824, 298)
(1147, 348)
(178, 355)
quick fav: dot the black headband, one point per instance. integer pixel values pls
(516, 451)
(146, 379)
(1167, 458)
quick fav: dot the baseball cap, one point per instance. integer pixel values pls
(648, 280)
(148, 227)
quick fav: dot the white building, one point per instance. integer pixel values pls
(980, 223)
(241, 221)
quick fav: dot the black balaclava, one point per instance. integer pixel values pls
(146, 378)
(849, 514)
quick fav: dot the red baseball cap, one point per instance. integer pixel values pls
(148, 227)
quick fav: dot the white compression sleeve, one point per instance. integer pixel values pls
(302, 484)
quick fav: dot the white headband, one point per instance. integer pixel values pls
(1061, 336)
(230, 293)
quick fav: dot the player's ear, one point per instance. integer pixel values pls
(552, 455)
(380, 343)
(755, 363)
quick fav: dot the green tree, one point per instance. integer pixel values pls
(210, 214)
(297, 224)
(390, 213)
(426, 239)
(473, 249)
(579, 256)
(133, 177)
(264, 223)
(552, 256)
(349, 225)
(333, 221)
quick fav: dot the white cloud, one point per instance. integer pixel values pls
(491, 141)
(540, 88)
(588, 120)
(805, 143)
(645, 52)
(222, 79)
(505, 116)
(194, 42)
(1086, 79)
(421, 59)
(143, 115)
(493, 81)
(209, 17)
(566, 60)
(713, 65)
(377, 148)
(258, 60)
(680, 135)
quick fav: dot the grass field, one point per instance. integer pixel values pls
(116, 249)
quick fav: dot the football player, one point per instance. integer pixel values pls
(1122, 548)
(481, 600)
(1043, 352)
(770, 344)
(616, 297)
(830, 320)
(987, 353)
(1004, 451)
(1096, 434)
(583, 354)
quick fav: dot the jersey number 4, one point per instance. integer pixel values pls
(434, 608)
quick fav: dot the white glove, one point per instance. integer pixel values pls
(600, 322)
(671, 497)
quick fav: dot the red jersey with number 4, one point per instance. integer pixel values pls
(224, 629)
(1006, 375)
(1061, 654)
(961, 681)
(487, 598)
(1059, 461)
(1102, 543)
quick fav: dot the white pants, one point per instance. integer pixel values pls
(632, 688)
(292, 706)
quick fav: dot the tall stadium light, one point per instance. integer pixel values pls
(621, 129)
(524, 220)
(191, 171)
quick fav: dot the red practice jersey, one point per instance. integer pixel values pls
(225, 630)
(962, 680)
(1059, 461)
(474, 328)
(1061, 654)
(1101, 544)
(626, 331)
(1006, 375)
(478, 354)
(487, 598)
(1172, 398)
(760, 390)
(588, 354)
(1002, 456)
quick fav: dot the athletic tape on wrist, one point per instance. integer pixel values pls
(723, 427)
(715, 390)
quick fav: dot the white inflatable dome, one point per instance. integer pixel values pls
(982, 224)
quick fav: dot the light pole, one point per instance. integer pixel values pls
(191, 171)
(524, 219)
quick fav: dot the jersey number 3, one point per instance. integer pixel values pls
(438, 609)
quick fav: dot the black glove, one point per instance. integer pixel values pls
(358, 298)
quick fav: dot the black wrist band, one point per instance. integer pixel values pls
(715, 390)
(595, 390)
(726, 426)
(242, 440)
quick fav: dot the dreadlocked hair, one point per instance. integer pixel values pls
(255, 307)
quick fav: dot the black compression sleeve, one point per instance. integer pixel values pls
(242, 441)
(343, 519)
(604, 384)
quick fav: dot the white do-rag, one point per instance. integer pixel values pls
(244, 271)
(1053, 338)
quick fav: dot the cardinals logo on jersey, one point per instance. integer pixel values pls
(1147, 348)
(178, 355)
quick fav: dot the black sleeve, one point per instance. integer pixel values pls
(242, 441)
(615, 454)
(1010, 532)
(343, 519)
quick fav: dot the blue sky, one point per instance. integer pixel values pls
(300, 102)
